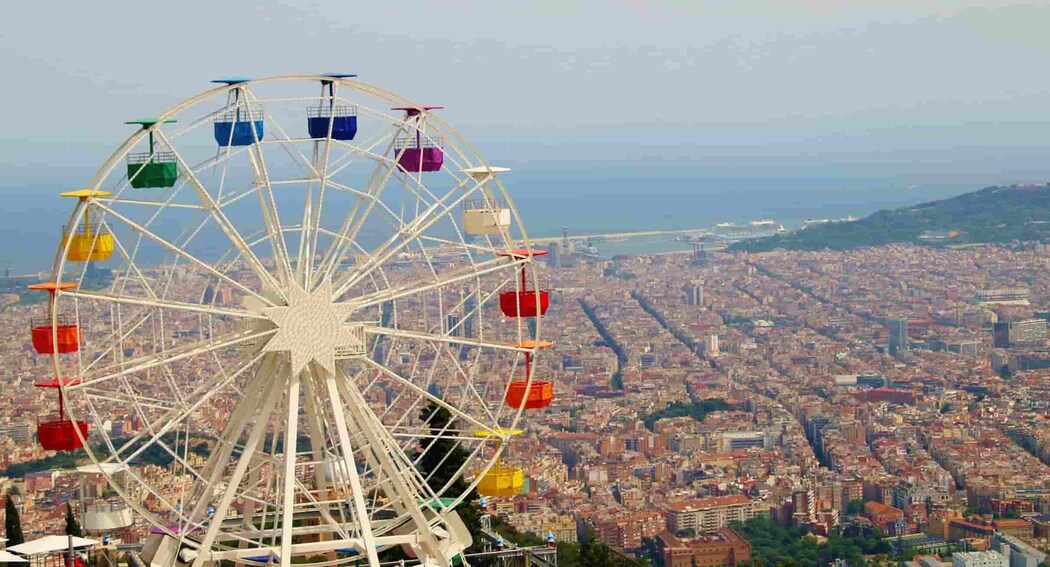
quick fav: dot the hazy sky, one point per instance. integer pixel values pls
(948, 86)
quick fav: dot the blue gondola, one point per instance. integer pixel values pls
(239, 124)
(327, 115)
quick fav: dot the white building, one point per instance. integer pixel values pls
(979, 559)
(711, 345)
(708, 514)
(1017, 552)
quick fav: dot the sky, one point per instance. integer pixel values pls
(945, 89)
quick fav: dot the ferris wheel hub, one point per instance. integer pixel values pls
(313, 328)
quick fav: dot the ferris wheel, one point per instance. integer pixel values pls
(314, 307)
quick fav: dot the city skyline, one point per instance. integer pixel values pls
(626, 284)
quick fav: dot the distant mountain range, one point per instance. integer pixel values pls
(991, 215)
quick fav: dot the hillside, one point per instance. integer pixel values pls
(992, 215)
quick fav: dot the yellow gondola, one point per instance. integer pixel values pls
(500, 481)
(88, 240)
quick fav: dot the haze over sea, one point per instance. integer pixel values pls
(614, 116)
(587, 200)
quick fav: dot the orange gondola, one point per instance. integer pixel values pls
(537, 396)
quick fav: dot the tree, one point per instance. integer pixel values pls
(855, 507)
(72, 527)
(593, 553)
(442, 458)
(568, 554)
(12, 523)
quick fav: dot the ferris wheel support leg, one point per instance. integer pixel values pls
(359, 415)
(248, 515)
(291, 433)
(315, 423)
(345, 447)
(315, 419)
(268, 403)
(254, 397)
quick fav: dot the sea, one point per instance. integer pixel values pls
(584, 200)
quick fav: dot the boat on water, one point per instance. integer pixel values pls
(815, 222)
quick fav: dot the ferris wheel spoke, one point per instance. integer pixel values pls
(377, 183)
(362, 195)
(302, 265)
(426, 378)
(441, 339)
(431, 283)
(468, 386)
(182, 253)
(328, 180)
(451, 245)
(129, 399)
(115, 338)
(162, 304)
(366, 150)
(284, 140)
(129, 260)
(174, 355)
(431, 397)
(451, 434)
(356, 219)
(278, 245)
(404, 236)
(182, 412)
(224, 223)
(160, 204)
(257, 160)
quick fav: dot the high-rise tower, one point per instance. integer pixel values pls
(898, 335)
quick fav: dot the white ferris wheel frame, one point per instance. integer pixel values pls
(348, 411)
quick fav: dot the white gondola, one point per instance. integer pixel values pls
(488, 215)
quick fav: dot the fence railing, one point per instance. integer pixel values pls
(242, 115)
(325, 111)
(155, 157)
(410, 143)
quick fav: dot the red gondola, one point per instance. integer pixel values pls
(524, 302)
(50, 337)
(60, 433)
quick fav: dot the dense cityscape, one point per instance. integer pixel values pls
(897, 391)
(457, 283)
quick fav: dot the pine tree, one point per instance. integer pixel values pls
(12, 523)
(442, 458)
(72, 527)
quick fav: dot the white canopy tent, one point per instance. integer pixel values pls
(8, 557)
(51, 544)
